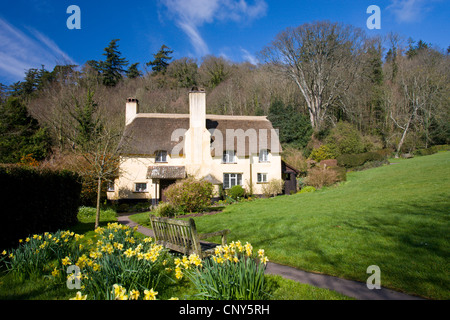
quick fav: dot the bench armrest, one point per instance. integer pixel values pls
(222, 233)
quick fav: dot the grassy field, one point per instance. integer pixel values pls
(395, 217)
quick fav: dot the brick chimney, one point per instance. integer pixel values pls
(131, 110)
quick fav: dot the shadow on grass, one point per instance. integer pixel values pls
(32, 289)
(410, 244)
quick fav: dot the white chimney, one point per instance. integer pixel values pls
(131, 110)
(197, 137)
(197, 108)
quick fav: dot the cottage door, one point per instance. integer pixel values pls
(164, 184)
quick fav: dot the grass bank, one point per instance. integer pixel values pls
(395, 217)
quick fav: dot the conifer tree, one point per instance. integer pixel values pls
(113, 67)
(133, 71)
(20, 133)
(159, 65)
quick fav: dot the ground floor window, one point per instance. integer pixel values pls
(262, 177)
(110, 186)
(231, 179)
(140, 187)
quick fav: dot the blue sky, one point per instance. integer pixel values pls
(34, 32)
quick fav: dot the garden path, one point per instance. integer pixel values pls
(349, 288)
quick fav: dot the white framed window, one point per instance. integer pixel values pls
(262, 177)
(264, 155)
(161, 156)
(229, 156)
(231, 179)
(110, 187)
(140, 187)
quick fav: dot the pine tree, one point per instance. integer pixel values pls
(87, 124)
(113, 67)
(294, 127)
(133, 71)
(159, 65)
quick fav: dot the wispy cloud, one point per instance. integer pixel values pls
(410, 10)
(190, 15)
(21, 51)
(247, 56)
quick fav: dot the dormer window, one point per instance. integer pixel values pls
(264, 155)
(229, 156)
(161, 156)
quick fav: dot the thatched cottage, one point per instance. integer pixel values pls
(164, 148)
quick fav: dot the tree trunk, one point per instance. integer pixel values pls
(97, 217)
(405, 130)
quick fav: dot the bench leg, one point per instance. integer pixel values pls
(224, 240)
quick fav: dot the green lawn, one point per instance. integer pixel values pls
(396, 217)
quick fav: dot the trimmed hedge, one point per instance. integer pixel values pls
(36, 201)
(357, 160)
(431, 150)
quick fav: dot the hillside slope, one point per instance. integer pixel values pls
(396, 217)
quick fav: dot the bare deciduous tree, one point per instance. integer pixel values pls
(321, 58)
(423, 85)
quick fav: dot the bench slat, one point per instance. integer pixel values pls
(182, 236)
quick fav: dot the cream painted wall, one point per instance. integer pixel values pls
(134, 170)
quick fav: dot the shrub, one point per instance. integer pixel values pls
(236, 192)
(37, 200)
(190, 195)
(295, 158)
(370, 165)
(340, 172)
(307, 189)
(385, 152)
(324, 152)
(345, 139)
(272, 188)
(165, 209)
(356, 160)
(319, 177)
(426, 152)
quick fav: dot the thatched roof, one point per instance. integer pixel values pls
(149, 133)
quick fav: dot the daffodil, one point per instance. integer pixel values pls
(178, 273)
(261, 253)
(66, 261)
(134, 294)
(79, 296)
(129, 253)
(119, 292)
(55, 272)
(148, 239)
(150, 294)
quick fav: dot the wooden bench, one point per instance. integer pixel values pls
(182, 236)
